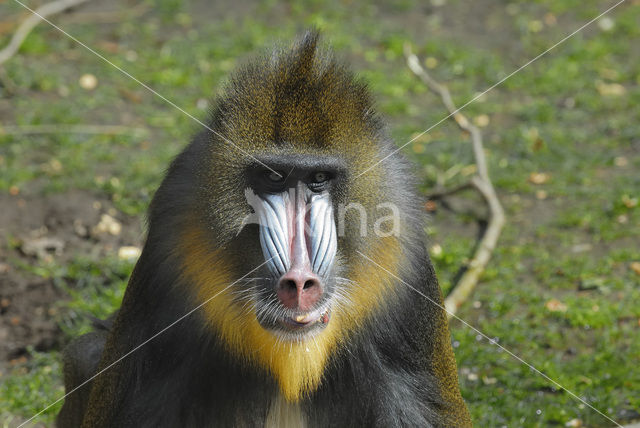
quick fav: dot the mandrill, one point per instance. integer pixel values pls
(274, 288)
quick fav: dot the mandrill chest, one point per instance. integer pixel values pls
(283, 414)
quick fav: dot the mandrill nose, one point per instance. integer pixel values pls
(299, 289)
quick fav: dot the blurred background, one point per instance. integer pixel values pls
(83, 148)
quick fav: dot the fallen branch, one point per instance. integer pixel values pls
(106, 17)
(72, 129)
(481, 182)
(31, 21)
(440, 193)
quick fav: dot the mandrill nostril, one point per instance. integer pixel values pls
(290, 284)
(299, 290)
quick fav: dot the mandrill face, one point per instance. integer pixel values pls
(297, 232)
(285, 196)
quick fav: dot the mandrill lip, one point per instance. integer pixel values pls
(319, 316)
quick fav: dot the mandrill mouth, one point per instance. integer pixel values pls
(317, 318)
(293, 325)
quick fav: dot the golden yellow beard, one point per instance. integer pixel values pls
(297, 366)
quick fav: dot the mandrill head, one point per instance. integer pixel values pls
(269, 211)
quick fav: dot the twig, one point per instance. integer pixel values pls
(440, 193)
(109, 16)
(72, 129)
(481, 182)
(31, 21)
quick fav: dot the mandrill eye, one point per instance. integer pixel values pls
(275, 177)
(320, 177)
(319, 181)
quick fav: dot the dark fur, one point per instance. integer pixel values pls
(396, 370)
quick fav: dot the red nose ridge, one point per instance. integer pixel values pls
(299, 289)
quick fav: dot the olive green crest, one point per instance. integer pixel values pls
(300, 97)
(300, 100)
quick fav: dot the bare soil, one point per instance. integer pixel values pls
(40, 231)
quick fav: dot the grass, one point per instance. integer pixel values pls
(571, 238)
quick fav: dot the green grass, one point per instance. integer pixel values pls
(553, 117)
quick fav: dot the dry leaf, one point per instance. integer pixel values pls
(109, 46)
(539, 177)
(481, 120)
(610, 89)
(635, 266)
(555, 305)
(541, 194)
(431, 62)
(430, 206)
(629, 202)
(537, 145)
(550, 19)
(535, 26)
(621, 161)
(134, 97)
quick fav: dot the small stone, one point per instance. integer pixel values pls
(88, 81)
(436, 250)
(606, 23)
(80, 229)
(489, 380)
(202, 103)
(107, 224)
(129, 253)
(581, 248)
